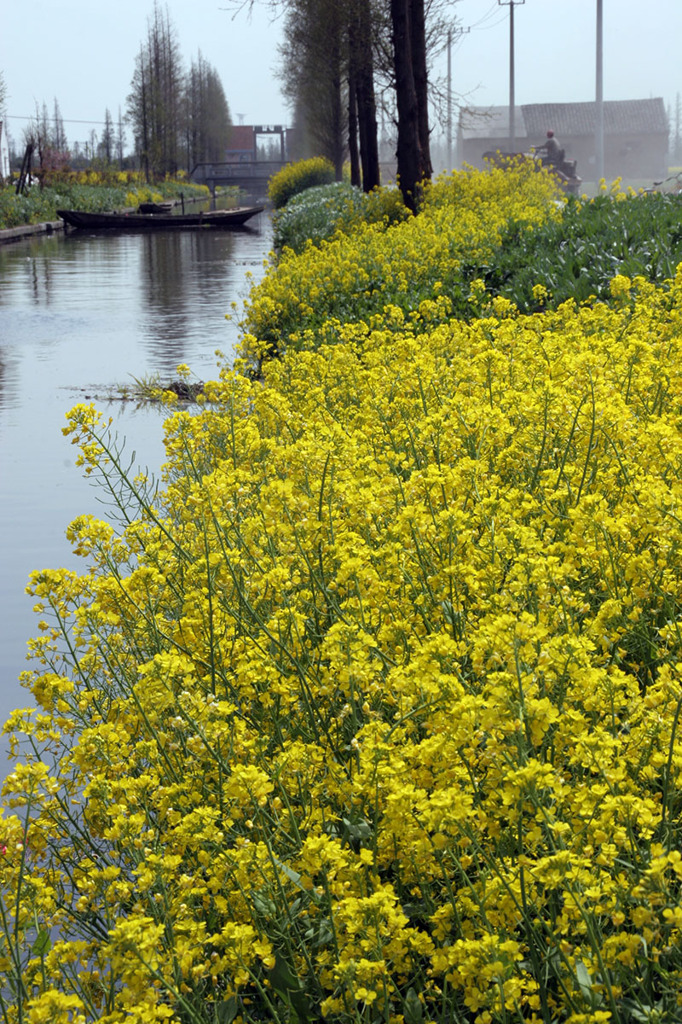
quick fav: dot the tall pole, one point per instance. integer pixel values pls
(512, 80)
(599, 129)
(449, 140)
(457, 32)
(511, 4)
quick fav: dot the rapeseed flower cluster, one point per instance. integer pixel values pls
(372, 714)
(408, 266)
(297, 177)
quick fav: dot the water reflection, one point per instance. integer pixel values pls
(181, 273)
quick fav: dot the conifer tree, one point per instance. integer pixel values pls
(155, 100)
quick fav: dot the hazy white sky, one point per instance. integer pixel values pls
(555, 50)
(83, 53)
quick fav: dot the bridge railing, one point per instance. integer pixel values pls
(226, 172)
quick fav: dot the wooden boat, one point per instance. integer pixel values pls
(157, 221)
(164, 207)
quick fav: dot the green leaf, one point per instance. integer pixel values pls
(292, 875)
(413, 1008)
(584, 981)
(361, 830)
(289, 988)
(281, 977)
(42, 944)
(227, 1010)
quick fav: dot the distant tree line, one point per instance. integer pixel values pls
(46, 135)
(178, 119)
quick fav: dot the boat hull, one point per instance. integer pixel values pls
(157, 221)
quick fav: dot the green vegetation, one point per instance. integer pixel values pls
(92, 191)
(577, 256)
(414, 265)
(573, 254)
(295, 178)
(319, 212)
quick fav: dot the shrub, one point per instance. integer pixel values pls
(295, 178)
(322, 210)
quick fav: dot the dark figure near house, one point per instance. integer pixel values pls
(553, 153)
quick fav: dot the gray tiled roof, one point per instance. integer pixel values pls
(621, 117)
(489, 122)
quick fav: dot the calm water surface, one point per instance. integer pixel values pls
(78, 315)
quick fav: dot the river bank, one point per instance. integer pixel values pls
(82, 316)
(27, 230)
(93, 192)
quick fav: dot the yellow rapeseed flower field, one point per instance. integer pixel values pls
(372, 715)
(357, 276)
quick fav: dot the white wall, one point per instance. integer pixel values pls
(4, 153)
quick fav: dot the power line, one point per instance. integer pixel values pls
(64, 120)
(478, 26)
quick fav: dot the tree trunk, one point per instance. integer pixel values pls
(362, 60)
(408, 151)
(337, 121)
(418, 46)
(337, 118)
(353, 153)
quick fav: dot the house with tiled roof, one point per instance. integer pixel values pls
(483, 129)
(635, 135)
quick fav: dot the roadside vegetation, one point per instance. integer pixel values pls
(93, 191)
(371, 714)
(297, 177)
(574, 251)
(322, 210)
(577, 256)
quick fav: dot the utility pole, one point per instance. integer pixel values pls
(511, 4)
(449, 156)
(456, 32)
(599, 129)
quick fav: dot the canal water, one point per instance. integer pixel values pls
(80, 315)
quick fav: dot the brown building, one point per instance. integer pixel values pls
(635, 135)
(249, 142)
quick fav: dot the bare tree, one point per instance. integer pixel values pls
(409, 153)
(120, 139)
(328, 78)
(206, 115)
(107, 143)
(58, 135)
(336, 51)
(361, 31)
(312, 74)
(154, 103)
